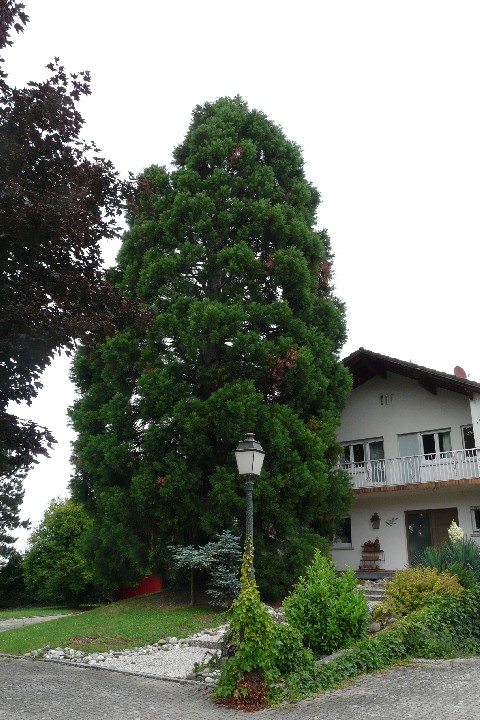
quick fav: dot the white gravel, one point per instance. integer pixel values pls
(178, 662)
(168, 658)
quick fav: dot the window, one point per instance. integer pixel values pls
(475, 511)
(360, 452)
(434, 443)
(366, 457)
(343, 535)
(469, 440)
(430, 444)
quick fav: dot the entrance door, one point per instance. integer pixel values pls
(427, 527)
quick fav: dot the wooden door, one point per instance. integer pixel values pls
(427, 527)
(440, 521)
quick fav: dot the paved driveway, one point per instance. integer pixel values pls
(41, 691)
(14, 623)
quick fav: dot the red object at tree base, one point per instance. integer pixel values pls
(150, 584)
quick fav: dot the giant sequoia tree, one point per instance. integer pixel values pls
(245, 337)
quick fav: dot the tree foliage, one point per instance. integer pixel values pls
(245, 336)
(13, 592)
(221, 558)
(58, 198)
(54, 567)
(11, 496)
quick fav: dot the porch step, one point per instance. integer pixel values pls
(373, 591)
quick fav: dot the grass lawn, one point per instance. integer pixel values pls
(35, 612)
(124, 624)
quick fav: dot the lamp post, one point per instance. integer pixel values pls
(249, 455)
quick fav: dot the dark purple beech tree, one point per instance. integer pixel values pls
(58, 198)
(245, 338)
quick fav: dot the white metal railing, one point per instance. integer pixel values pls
(440, 467)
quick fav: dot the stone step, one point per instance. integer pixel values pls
(374, 592)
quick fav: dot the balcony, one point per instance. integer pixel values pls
(417, 469)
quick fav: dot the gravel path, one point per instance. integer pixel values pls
(178, 662)
(13, 623)
(168, 658)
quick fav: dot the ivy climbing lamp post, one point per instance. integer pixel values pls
(249, 455)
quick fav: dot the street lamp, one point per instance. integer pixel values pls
(249, 455)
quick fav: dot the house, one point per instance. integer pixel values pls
(411, 439)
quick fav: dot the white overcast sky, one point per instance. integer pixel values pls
(383, 98)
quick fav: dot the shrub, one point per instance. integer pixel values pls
(461, 557)
(444, 627)
(288, 652)
(329, 611)
(222, 559)
(409, 589)
(225, 561)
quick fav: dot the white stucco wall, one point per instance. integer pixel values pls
(393, 537)
(413, 409)
(410, 408)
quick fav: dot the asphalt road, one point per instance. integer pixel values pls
(41, 690)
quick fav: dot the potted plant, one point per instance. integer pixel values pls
(371, 544)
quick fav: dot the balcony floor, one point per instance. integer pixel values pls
(417, 486)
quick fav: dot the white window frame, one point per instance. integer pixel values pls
(475, 513)
(337, 542)
(436, 434)
(469, 452)
(420, 435)
(366, 451)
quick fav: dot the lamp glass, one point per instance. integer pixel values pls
(249, 455)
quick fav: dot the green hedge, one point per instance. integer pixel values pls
(444, 627)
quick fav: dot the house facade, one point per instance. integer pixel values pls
(411, 439)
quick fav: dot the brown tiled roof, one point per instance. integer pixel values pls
(365, 364)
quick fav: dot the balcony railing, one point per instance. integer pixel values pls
(440, 467)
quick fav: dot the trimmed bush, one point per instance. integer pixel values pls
(329, 611)
(410, 588)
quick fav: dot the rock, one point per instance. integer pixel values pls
(375, 627)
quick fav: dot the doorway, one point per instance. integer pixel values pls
(427, 527)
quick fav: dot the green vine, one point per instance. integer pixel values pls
(248, 668)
